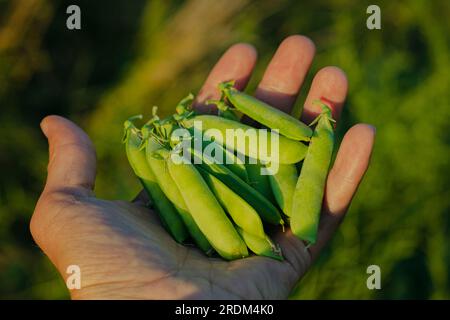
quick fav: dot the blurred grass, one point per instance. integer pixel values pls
(131, 56)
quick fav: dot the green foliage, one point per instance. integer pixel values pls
(143, 53)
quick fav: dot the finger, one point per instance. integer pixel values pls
(329, 84)
(294, 251)
(236, 63)
(286, 72)
(343, 180)
(72, 159)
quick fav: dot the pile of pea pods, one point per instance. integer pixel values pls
(226, 208)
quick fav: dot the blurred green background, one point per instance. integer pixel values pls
(131, 55)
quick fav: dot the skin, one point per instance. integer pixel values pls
(120, 246)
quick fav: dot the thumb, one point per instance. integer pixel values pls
(72, 159)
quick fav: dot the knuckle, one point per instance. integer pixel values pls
(44, 218)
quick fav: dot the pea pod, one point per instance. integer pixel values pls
(166, 211)
(223, 110)
(265, 114)
(206, 211)
(267, 211)
(283, 184)
(230, 160)
(157, 162)
(225, 156)
(234, 163)
(289, 151)
(240, 211)
(261, 246)
(259, 181)
(309, 191)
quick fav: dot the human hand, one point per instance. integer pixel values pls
(122, 249)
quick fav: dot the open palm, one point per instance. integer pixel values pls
(122, 249)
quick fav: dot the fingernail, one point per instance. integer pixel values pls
(43, 126)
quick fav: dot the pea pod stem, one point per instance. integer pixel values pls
(223, 110)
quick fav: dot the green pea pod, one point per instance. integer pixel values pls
(240, 211)
(229, 114)
(157, 162)
(283, 186)
(235, 164)
(309, 191)
(223, 110)
(265, 114)
(289, 151)
(206, 211)
(166, 211)
(259, 181)
(261, 246)
(230, 160)
(267, 211)
(216, 150)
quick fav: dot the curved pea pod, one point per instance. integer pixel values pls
(261, 246)
(240, 211)
(309, 191)
(283, 184)
(267, 211)
(259, 181)
(254, 143)
(265, 114)
(233, 163)
(166, 211)
(157, 162)
(216, 151)
(229, 159)
(206, 211)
